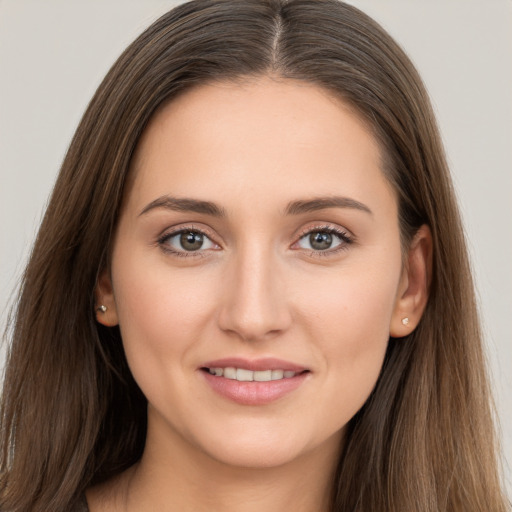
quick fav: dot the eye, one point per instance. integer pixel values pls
(186, 241)
(324, 240)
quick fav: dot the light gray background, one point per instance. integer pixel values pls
(54, 53)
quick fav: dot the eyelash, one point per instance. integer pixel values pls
(345, 238)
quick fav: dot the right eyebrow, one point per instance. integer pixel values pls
(321, 203)
(183, 204)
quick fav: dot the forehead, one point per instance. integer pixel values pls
(267, 136)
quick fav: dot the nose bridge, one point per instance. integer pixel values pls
(254, 301)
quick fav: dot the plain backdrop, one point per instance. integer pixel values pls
(54, 53)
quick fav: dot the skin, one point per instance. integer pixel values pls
(257, 289)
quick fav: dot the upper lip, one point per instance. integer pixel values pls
(266, 363)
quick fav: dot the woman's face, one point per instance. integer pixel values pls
(259, 240)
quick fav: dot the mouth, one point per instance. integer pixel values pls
(244, 375)
(254, 382)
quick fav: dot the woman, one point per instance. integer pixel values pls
(247, 287)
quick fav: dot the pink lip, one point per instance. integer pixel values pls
(254, 393)
(267, 363)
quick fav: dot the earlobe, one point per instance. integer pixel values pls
(413, 290)
(105, 305)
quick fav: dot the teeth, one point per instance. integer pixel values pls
(277, 374)
(263, 376)
(230, 373)
(243, 375)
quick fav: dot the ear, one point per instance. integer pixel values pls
(106, 312)
(413, 289)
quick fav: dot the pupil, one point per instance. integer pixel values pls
(191, 241)
(320, 241)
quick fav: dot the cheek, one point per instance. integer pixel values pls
(354, 304)
(350, 319)
(161, 314)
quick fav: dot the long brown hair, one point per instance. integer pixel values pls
(72, 414)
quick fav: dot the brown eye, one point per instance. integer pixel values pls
(326, 240)
(191, 240)
(320, 240)
(182, 242)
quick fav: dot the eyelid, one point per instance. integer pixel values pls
(325, 226)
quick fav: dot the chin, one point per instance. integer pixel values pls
(255, 456)
(267, 447)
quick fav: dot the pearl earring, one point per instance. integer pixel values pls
(405, 320)
(102, 308)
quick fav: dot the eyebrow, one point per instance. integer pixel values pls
(185, 205)
(293, 208)
(322, 203)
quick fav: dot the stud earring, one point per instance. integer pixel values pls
(102, 308)
(405, 320)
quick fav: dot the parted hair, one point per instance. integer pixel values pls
(71, 413)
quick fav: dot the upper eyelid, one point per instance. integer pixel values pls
(176, 230)
(334, 228)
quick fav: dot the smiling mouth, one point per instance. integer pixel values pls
(244, 375)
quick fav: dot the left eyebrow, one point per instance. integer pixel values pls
(322, 203)
(184, 204)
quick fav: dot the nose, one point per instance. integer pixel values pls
(254, 303)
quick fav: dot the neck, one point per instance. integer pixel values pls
(175, 476)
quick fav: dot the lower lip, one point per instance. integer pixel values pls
(254, 393)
